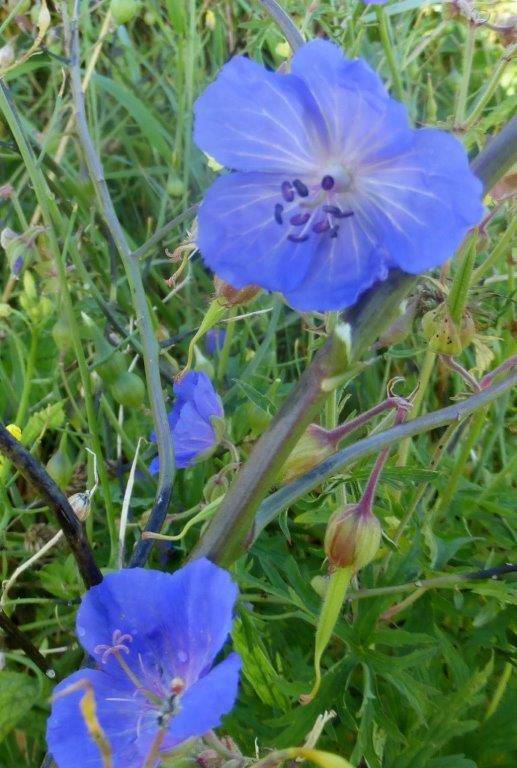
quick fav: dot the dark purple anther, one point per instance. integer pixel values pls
(333, 232)
(287, 191)
(327, 183)
(278, 213)
(337, 212)
(333, 210)
(300, 187)
(299, 219)
(297, 238)
(321, 226)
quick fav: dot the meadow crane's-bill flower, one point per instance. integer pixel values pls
(196, 420)
(331, 186)
(154, 637)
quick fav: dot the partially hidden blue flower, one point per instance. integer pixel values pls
(196, 420)
(154, 637)
(333, 186)
(214, 340)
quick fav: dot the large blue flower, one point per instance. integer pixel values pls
(155, 637)
(333, 186)
(196, 420)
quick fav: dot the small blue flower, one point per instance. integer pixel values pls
(196, 420)
(214, 340)
(333, 186)
(154, 637)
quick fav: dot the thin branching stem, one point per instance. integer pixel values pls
(149, 343)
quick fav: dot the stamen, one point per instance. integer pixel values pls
(334, 231)
(337, 212)
(287, 191)
(297, 238)
(177, 686)
(300, 187)
(118, 643)
(278, 213)
(327, 183)
(321, 226)
(299, 219)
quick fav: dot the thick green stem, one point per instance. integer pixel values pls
(334, 465)
(230, 530)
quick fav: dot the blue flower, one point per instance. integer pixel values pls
(155, 637)
(196, 420)
(214, 340)
(333, 186)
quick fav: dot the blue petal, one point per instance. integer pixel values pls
(240, 239)
(178, 622)
(192, 436)
(118, 708)
(251, 119)
(206, 400)
(341, 270)
(203, 705)
(423, 201)
(345, 90)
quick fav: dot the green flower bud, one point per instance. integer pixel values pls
(59, 466)
(353, 537)
(128, 390)
(313, 447)
(124, 10)
(175, 186)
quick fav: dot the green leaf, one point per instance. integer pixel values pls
(17, 694)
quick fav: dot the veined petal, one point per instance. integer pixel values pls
(251, 119)
(341, 269)
(423, 201)
(177, 623)
(350, 95)
(205, 703)
(240, 239)
(119, 711)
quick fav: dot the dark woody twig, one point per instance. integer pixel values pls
(57, 502)
(22, 641)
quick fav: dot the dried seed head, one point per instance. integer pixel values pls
(230, 296)
(80, 503)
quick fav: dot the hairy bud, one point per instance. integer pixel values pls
(353, 537)
(315, 445)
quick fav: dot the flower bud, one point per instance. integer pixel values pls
(230, 296)
(353, 537)
(443, 334)
(314, 446)
(124, 10)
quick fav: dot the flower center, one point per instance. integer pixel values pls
(313, 208)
